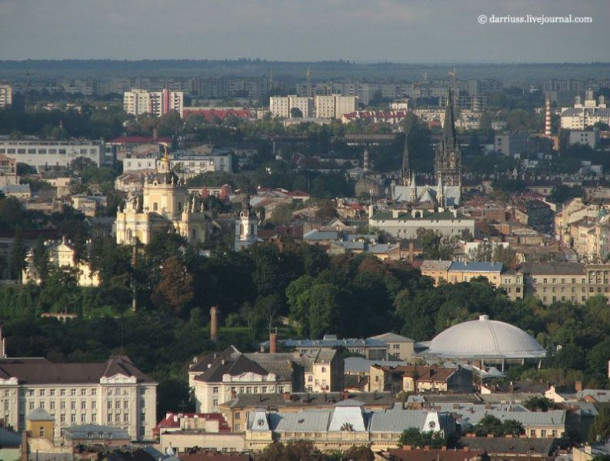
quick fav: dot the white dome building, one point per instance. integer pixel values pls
(485, 340)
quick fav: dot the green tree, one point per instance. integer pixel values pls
(536, 403)
(175, 289)
(16, 259)
(600, 430)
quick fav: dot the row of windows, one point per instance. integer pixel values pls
(62, 405)
(554, 280)
(45, 151)
(52, 392)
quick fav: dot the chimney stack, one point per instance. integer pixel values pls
(214, 324)
(273, 342)
(2, 344)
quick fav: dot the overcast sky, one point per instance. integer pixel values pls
(302, 30)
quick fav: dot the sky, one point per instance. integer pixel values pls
(405, 31)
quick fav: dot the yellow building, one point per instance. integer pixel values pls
(164, 205)
(40, 424)
(62, 256)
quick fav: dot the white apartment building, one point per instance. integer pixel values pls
(50, 154)
(113, 393)
(157, 103)
(6, 96)
(334, 105)
(281, 106)
(585, 115)
(325, 106)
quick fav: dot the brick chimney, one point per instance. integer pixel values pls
(273, 342)
(214, 324)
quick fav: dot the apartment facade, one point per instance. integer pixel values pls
(113, 393)
(51, 154)
(157, 103)
(6, 96)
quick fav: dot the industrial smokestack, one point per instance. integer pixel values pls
(214, 324)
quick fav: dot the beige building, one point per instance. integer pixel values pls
(157, 103)
(113, 393)
(334, 105)
(164, 205)
(282, 106)
(399, 347)
(62, 256)
(6, 96)
(220, 377)
(8, 171)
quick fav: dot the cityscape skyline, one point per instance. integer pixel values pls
(355, 30)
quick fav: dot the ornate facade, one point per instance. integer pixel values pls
(163, 206)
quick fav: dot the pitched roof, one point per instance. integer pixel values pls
(42, 371)
(232, 366)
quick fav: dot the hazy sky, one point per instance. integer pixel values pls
(303, 30)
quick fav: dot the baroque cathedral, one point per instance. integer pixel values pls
(447, 170)
(164, 206)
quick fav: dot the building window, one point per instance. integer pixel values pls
(41, 432)
(41, 392)
(215, 390)
(72, 391)
(93, 391)
(215, 403)
(83, 405)
(73, 418)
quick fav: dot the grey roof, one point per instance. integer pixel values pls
(329, 342)
(476, 266)
(349, 412)
(232, 366)
(470, 415)
(39, 415)
(600, 395)
(42, 371)
(556, 268)
(392, 338)
(94, 431)
(280, 364)
(303, 421)
(307, 399)
(397, 420)
(432, 265)
(315, 234)
(9, 438)
(501, 445)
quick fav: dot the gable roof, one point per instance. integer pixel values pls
(42, 371)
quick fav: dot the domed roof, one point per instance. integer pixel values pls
(484, 338)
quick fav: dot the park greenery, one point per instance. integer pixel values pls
(300, 290)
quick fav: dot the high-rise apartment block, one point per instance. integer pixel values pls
(282, 106)
(6, 96)
(334, 105)
(326, 106)
(157, 103)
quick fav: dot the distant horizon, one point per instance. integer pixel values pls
(363, 31)
(320, 61)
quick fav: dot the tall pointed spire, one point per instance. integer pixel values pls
(449, 136)
(405, 171)
(448, 161)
